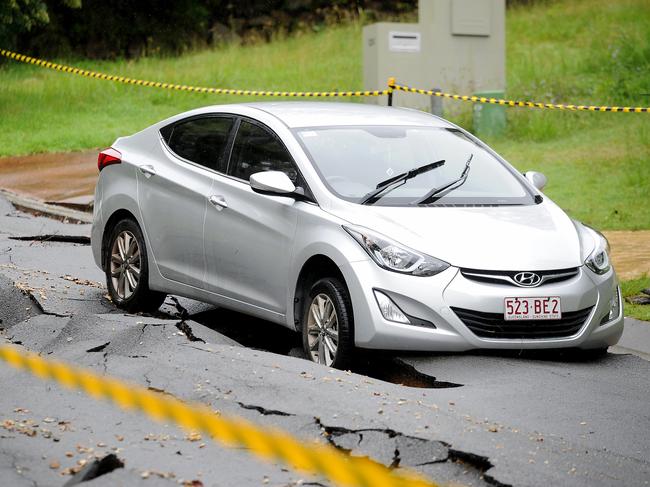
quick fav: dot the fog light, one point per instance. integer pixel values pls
(390, 310)
(614, 305)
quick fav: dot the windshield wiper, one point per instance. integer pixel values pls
(393, 182)
(437, 193)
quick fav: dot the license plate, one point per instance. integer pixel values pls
(545, 308)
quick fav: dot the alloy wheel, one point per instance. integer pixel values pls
(125, 264)
(323, 330)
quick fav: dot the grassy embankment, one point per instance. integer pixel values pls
(574, 51)
(631, 288)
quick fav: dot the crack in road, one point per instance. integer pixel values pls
(96, 469)
(394, 449)
(184, 329)
(478, 462)
(77, 239)
(160, 391)
(187, 331)
(199, 349)
(263, 411)
(182, 325)
(396, 371)
(98, 348)
(182, 313)
(105, 362)
(144, 327)
(39, 306)
(101, 348)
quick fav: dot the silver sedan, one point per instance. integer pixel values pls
(358, 226)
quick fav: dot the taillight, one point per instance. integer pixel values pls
(107, 157)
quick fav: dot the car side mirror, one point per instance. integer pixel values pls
(537, 179)
(272, 182)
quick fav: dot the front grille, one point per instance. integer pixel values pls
(492, 325)
(507, 277)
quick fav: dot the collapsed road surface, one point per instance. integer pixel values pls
(470, 419)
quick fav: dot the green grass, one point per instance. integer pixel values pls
(599, 175)
(572, 51)
(583, 52)
(632, 288)
(47, 111)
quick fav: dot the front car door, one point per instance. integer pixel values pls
(173, 189)
(249, 239)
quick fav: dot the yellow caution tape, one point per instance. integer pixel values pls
(171, 86)
(513, 103)
(392, 86)
(269, 444)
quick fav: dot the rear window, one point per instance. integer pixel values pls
(200, 140)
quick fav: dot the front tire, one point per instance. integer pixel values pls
(127, 271)
(327, 324)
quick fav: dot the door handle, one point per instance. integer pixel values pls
(218, 201)
(147, 170)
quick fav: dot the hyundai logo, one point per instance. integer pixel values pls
(527, 279)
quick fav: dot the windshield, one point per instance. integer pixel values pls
(352, 161)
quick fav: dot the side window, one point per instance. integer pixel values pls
(200, 140)
(255, 150)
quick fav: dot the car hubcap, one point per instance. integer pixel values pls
(125, 264)
(323, 330)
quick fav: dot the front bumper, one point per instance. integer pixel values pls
(431, 299)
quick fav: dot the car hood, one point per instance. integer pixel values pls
(534, 237)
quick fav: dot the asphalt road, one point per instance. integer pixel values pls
(471, 419)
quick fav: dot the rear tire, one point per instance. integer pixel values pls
(127, 271)
(327, 324)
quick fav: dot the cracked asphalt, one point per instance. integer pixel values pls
(462, 419)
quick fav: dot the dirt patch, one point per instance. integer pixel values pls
(51, 177)
(630, 252)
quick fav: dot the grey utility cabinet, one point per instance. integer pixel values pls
(457, 46)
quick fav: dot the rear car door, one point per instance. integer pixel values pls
(249, 236)
(172, 192)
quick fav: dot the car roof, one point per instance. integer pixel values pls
(326, 114)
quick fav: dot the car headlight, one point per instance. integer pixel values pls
(394, 256)
(598, 260)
